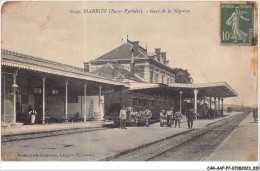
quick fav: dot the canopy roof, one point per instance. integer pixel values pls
(18, 60)
(216, 89)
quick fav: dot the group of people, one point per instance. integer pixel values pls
(174, 118)
(128, 113)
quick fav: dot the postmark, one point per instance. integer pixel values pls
(236, 23)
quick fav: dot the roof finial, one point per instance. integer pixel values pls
(146, 47)
(127, 36)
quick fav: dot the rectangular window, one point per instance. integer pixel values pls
(73, 99)
(152, 103)
(156, 76)
(37, 90)
(135, 101)
(117, 89)
(172, 79)
(143, 102)
(54, 92)
(151, 76)
(163, 77)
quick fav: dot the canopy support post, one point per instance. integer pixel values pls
(195, 101)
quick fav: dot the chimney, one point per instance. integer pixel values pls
(86, 67)
(157, 52)
(164, 57)
(132, 64)
(135, 48)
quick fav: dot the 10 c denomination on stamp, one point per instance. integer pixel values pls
(236, 23)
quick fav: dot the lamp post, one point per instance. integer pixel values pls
(85, 102)
(14, 86)
(181, 93)
(195, 100)
(66, 100)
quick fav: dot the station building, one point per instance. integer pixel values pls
(131, 63)
(152, 82)
(125, 76)
(151, 67)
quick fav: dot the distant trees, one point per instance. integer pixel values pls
(182, 76)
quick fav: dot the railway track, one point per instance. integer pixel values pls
(195, 145)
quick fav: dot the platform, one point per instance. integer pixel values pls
(96, 145)
(240, 145)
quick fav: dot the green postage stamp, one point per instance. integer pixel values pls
(237, 23)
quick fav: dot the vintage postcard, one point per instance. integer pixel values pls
(130, 81)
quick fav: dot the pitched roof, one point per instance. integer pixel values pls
(123, 52)
(116, 71)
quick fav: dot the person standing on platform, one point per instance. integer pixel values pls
(33, 114)
(162, 118)
(141, 116)
(190, 116)
(169, 114)
(174, 120)
(148, 115)
(122, 117)
(162, 113)
(173, 113)
(178, 117)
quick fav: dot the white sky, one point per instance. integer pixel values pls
(191, 41)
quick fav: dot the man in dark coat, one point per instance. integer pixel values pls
(169, 114)
(190, 116)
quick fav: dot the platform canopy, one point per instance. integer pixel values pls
(216, 89)
(26, 62)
